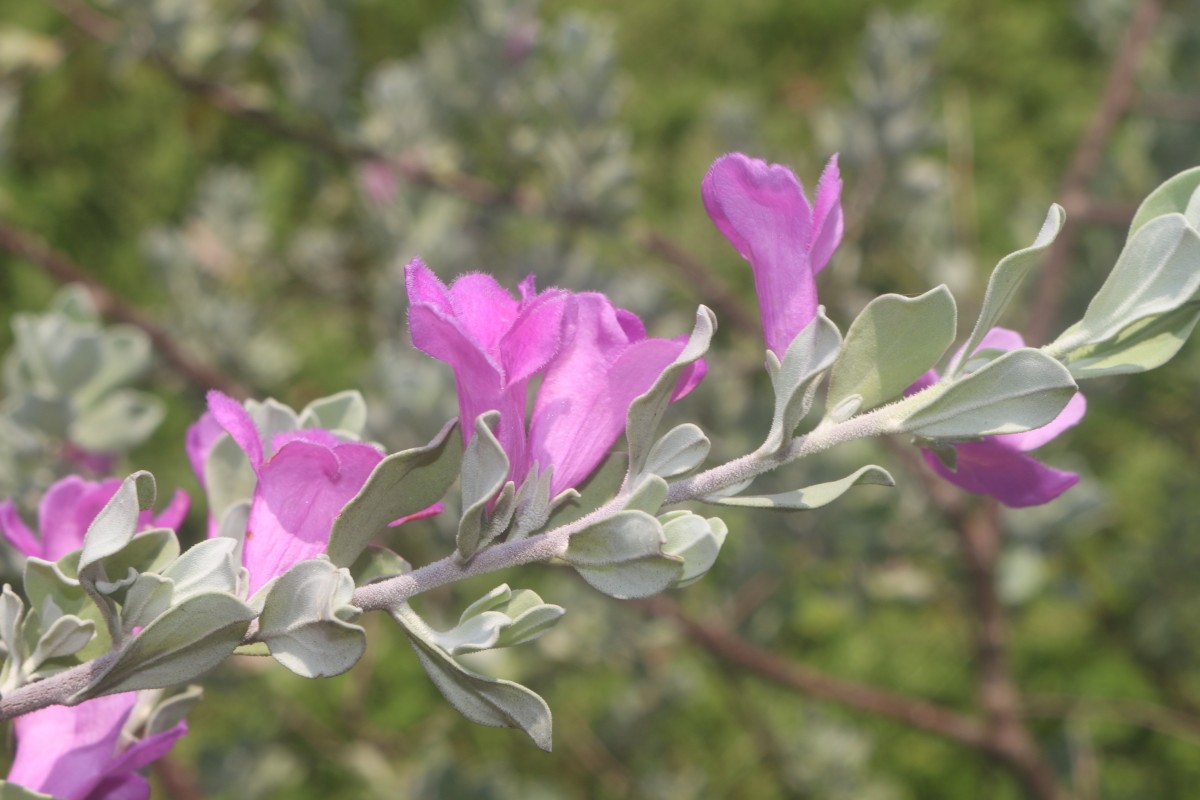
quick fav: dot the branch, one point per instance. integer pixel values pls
(727, 646)
(60, 267)
(1117, 100)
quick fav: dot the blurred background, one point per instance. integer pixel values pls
(243, 181)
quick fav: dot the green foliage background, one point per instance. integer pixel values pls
(1102, 585)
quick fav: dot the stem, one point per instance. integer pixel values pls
(54, 690)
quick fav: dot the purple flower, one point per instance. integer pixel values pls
(999, 465)
(79, 753)
(66, 511)
(762, 210)
(304, 479)
(595, 360)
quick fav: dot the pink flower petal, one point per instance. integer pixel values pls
(237, 422)
(827, 216)
(300, 490)
(17, 532)
(66, 751)
(1012, 477)
(201, 436)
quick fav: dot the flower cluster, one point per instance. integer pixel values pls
(594, 359)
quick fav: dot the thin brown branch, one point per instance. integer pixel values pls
(730, 648)
(1008, 738)
(1160, 719)
(64, 270)
(1117, 99)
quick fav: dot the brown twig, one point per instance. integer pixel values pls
(64, 270)
(729, 647)
(1117, 100)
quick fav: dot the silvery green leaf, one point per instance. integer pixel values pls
(484, 473)
(147, 599)
(344, 411)
(171, 711)
(696, 540)
(117, 423)
(680, 450)
(149, 551)
(401, 484)
(795, 379)
(649, 495)
(1019, 391)
(894, 341)
(622, 556)
(126, 353)
(1006, 279)
(65, 637)
(1145, 345)
(494, 599)
(11, 791)
(534, 504)
(208, 566)
(116, 523)
(115, 586)
(646, 412)
(12, 610)
(272, 418)
(1178, 195)
(229, 478)
(179, 646)
(377, 563)
(1156, 276)
(53, 592)
(304, 620)
(233, 525)
(810, 497)
(479, 632)
(487, 701)
(599, 488)
(530, 623)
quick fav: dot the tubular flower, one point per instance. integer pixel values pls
(83, 752)
(1000, 465)
(595, 358)
(303, 480)
(763, 212)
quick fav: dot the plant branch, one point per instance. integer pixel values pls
(55, 690)
(64, 270)
(729, 647)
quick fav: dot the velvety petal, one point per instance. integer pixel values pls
(1012, 477)
(483, 308)
(17, 532)
(534, 337)
(201, 436)
(1001, 339)
(827, 221)
(66, 751)
(126, 786)
(144, 751)
(237, 422)
(300, 490)
(583, 401)
(762, 210)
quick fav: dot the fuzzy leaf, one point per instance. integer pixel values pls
(622, 556)
(809, 497)
(1019, 391)
(680, 450)
(894, 341)
(697, 541)
(401, 484)
(344, 411)
(487, 701)
(179, 646)
(646, 412)
(206, 567)
(795, 378)
(484, 473)
(304, 622)
(116, 523)
(1178, 195)
(1006, 279)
